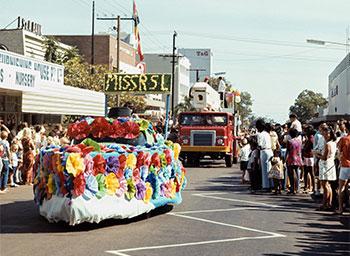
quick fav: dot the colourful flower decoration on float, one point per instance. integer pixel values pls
(148, 192)
(140, 190)
(122, 162)
(131, 161)
(79, 184)
(132, 130)
(122, 187)
(112, 164)
(99, 164)
(118, 130)
(89, 165)
(91, 187)
(79, 130)
(87, 144)
(155, 160)
(130, 193)
(143, 124)
(47, 161)
(100, 178)
(144, 172)
(100, 128)
(112, 183)
(167, 153)
(75, 164)
(177, 149)
(50, 184)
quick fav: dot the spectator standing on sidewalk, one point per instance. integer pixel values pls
(344, 175)
(244, 158)
(294, 161)
(319, 144)
(264, 144)
(295, 123)
(28, 156)
(327, 170)
(5, 161)
(308, 160)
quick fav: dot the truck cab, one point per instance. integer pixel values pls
(207, 134)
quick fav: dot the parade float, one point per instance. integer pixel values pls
(115, 169)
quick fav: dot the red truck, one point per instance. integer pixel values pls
(207, 134)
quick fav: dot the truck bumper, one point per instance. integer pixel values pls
(204, 149)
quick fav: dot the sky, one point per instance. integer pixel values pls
(260, 44)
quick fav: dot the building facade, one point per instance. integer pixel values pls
(161, 63)
(201, 63)
(339, 89)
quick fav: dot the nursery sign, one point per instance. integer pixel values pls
(138, 83)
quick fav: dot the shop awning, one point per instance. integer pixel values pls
(63, 100)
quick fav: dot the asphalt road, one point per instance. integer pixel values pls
(218, 216)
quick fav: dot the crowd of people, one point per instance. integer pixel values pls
(299, 158)
(18, 147)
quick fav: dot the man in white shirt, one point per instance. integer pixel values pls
(264, 143)
(295, 123)
(222, 88)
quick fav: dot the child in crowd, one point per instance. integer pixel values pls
(253, 167)
(277, 171)
(244, 158)
(14, 178)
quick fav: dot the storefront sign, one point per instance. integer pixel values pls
(29, 26)
(17, 71)
(138, 83)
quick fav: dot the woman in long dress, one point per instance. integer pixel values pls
(327, 170)
(28, 156)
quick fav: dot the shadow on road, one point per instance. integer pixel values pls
(23, 217)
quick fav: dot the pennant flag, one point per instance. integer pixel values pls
(136, 32)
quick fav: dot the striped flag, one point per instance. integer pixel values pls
(136, 32)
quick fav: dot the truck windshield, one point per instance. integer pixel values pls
(203, 120)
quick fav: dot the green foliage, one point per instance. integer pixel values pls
(51, 50)
(245, 106)
(185, 105)
(306, 105)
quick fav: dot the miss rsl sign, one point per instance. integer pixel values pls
(138, 83)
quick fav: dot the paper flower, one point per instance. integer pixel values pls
(131, 161)
(177, 149)
(50, 184)
(143, 124)
(140, 190)
(155, 160)
(47, 161)
(143, 172)
(56, 163)
(148, 192)
(79, 130)
(118, 130)
(100, 178)
(132, 130)
(90, 143)
(112, 164)
(112, 183)
(100, 127)
(122, 187)
(89, 165)
(167, 153)
(99, 164)
(131, 191)
(75, 164)
(91, 187)
(122, 162)
(79, 184)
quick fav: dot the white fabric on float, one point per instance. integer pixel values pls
(78, 210)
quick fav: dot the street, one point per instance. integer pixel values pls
(218, 216)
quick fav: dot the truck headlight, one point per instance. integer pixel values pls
(220, 142)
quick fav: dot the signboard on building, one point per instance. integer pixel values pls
(29, 26)
(18, 72)
(138, 83)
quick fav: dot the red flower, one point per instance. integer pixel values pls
(85, 149)
(100, 128)
(167, 153)
(99, 164)
(132, 130)
(122, 162)
(155, 160)
(118, 130)
(79, 184)
(72, 130)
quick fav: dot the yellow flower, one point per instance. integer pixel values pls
(50, 184)
(149, 192)
(177, 149)
(112, 183)
(131, 161)
(75, 164)
(173, 188)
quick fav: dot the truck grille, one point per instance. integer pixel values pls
(204, 138)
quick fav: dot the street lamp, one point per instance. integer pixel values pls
(322, 42)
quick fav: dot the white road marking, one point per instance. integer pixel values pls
(218, 210)
(237, 200)
(121, 252)
(209, 195)
(227, 225)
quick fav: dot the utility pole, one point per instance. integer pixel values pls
(93, 37)
(173, 78)
(197, 70)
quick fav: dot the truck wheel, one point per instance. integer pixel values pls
(228, 160)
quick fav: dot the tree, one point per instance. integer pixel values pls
(245, 106)
(185, 105)
(51, 50)
(306, 105)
